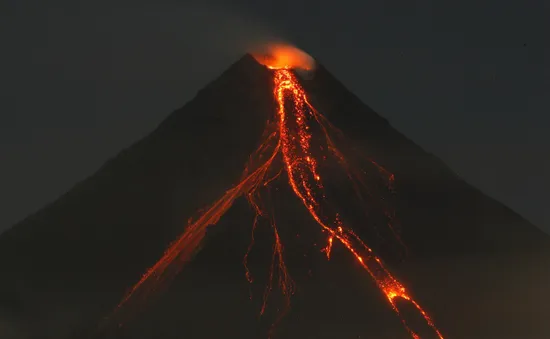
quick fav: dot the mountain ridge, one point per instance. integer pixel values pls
(249, 57)
(100, 236)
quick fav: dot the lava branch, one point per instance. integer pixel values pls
(355, 175)
(182, 250)
(292, 139)
(306, 183)
(277, 260)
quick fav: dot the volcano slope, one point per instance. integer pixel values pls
(474, 265)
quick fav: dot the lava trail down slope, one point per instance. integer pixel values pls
(287, 247)
(292, 139)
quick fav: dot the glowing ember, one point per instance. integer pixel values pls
(290, 139)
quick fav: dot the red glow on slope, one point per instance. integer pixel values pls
(290, 136)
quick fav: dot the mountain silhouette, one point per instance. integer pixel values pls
(476, 266)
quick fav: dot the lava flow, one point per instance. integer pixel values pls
(290, 140)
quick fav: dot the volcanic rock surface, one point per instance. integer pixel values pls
(476, 266)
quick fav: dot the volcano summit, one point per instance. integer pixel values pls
(324, 178)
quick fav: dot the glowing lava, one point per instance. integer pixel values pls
(289, 140)
(284, 56)
(307, 184)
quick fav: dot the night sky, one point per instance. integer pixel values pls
(466, 80)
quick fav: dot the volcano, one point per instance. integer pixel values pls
(274, 205)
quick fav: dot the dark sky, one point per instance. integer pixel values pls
(467, 80)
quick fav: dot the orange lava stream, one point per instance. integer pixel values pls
(182, 250)
(290, 137)
(306, 183)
